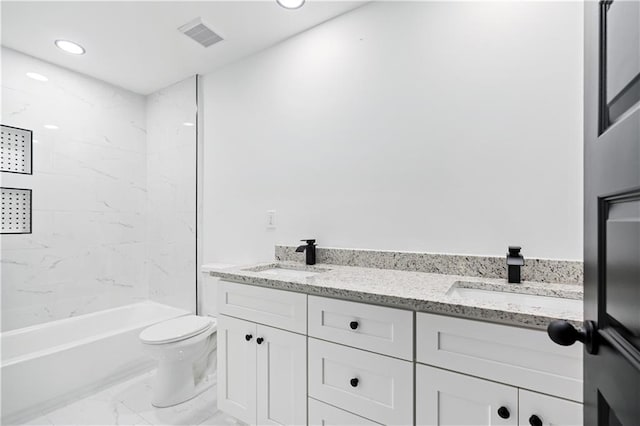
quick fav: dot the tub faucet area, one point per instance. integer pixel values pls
(515, 261)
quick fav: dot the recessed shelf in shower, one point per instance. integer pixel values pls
(16, 150)
(16, 211)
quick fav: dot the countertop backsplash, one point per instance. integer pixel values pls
(539, 270)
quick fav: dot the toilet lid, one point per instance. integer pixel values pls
(176, 329)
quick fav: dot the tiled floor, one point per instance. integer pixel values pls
(129, 403)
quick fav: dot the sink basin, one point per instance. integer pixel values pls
(522, 299)
(283, 271)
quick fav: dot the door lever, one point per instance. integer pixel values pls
(565, 334)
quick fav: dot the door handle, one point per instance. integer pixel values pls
(565, 334)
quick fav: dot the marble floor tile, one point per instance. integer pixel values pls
(222, 419)
(95, 412)
(129, 403)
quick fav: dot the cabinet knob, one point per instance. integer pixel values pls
(353, 325)
(504, 413)
(248, 337)
(354, 382)
(535, 420)
(259, 340)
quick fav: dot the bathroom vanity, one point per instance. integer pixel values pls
(335, 345)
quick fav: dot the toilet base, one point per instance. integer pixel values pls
(174, 384)
(178, 381)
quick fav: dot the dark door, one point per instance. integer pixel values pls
(612, 212)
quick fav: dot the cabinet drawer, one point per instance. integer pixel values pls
(516, 356)
(277, 308)
(379, 329)
(367, 384)
(321, 414)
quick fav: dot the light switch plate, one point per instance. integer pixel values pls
(271, 219)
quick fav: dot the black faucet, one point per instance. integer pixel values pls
(310, 247)
(514, 263)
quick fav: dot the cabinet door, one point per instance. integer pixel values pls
(321, 414)
(237, 368)
(537, 409)
(282, 377)
(446, 398)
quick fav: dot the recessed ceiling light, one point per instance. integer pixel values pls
(51, 127)
(70, 47)
(188, 124)
(36, 76)
(290, 4)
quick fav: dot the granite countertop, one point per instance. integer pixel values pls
(419, 291)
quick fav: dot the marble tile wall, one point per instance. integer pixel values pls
(87, 250)
(171, 184)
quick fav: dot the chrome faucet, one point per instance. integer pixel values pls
(310, 249)
(514, 263)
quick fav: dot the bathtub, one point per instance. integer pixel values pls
(47, 365)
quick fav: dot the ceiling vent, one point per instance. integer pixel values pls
(200, 32)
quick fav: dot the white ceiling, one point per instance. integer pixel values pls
(136, 45)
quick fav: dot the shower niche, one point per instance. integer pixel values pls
(16, 211)
(16, 150)
(16, 156)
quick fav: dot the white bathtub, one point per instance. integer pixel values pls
(47, 365)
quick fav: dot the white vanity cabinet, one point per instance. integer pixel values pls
(445, 398)
(262, 370)
(511, 366)
(368, 384)
(321, 414)
(237, 365)
(537, 409)
(378, 329)
(349, 363)
(285, 358)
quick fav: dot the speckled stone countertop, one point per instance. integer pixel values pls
(417, 291)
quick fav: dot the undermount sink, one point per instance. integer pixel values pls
(493, 295)
(288, 271)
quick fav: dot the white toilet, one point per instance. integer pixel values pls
(185, 350)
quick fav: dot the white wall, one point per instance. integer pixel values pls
(171, 181)
(422, 126)
(87, 249)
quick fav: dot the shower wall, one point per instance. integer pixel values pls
(87, 251)
(171, 184)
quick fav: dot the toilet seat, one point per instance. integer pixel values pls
(176, 329)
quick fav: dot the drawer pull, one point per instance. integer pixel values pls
(353, 325)
(504, 413)
(535, 421)
(248, 337)
(354, 382)
(259, 340)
